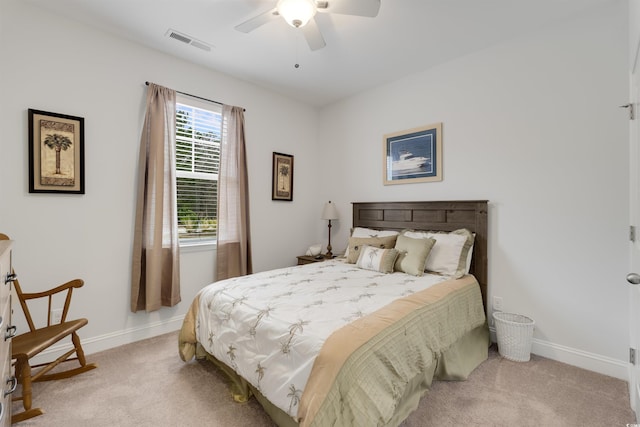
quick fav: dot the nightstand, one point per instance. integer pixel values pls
(309, 259)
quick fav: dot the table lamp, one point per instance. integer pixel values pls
(329, 213)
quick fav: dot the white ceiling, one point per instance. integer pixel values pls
(407, 36)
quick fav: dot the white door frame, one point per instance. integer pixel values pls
(634, 201)
(634, 255)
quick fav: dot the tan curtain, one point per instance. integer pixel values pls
(234, 250)
(155, 279)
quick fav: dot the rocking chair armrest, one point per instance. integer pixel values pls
(75, 283)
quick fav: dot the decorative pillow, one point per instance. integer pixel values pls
(377, 259)
(449, 256)
(412, 254)
(356, 243)
(369, 232)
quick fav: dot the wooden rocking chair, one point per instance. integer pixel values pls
(27, 345)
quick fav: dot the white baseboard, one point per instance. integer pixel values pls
(115, 339)
(582, 359)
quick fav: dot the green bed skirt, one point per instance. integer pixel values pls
(454, 364)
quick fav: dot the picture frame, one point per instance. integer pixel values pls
(282, 178)
(56, 153)
(413, 155)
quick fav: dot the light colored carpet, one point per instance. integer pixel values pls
(146, 384)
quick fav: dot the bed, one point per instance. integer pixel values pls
(344, 343)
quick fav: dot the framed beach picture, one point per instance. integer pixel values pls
(56, 153)
(282, 179)
(413, 155)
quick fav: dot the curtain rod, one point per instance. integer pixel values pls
(197, 97)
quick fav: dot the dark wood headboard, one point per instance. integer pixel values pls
(437, 216)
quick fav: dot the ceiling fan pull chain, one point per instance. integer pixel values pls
(298, 36)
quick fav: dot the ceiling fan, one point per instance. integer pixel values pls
(300, 14)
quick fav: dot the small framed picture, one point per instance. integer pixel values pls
(282, 181)
(56, 153)
(413, 155)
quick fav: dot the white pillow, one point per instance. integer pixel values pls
(450, 255)
(369, 232)
(469, 256)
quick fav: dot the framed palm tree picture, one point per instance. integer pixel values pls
(56, 153)
(282, 177)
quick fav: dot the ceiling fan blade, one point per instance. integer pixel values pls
(367, 8)
(313, 35)
(257, 21)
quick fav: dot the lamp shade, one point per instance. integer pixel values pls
(296, 12)
(329, 212)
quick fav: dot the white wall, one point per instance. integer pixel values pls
(532, 125)
(54, 64)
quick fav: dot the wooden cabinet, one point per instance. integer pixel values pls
(7, 331)
(308, 259)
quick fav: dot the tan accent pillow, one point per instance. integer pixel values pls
(377, 259)
(369, 232)
(412, 254)
(449, 255)
(356, 243)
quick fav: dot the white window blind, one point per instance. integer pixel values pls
(197, 161)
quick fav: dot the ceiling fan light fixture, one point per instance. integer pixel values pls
(297, 13)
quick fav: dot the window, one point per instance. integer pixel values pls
(198, 133)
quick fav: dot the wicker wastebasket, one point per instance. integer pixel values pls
(514, 333)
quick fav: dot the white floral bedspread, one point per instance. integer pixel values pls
(270, 326)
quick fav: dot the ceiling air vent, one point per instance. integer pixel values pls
(188, 40)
